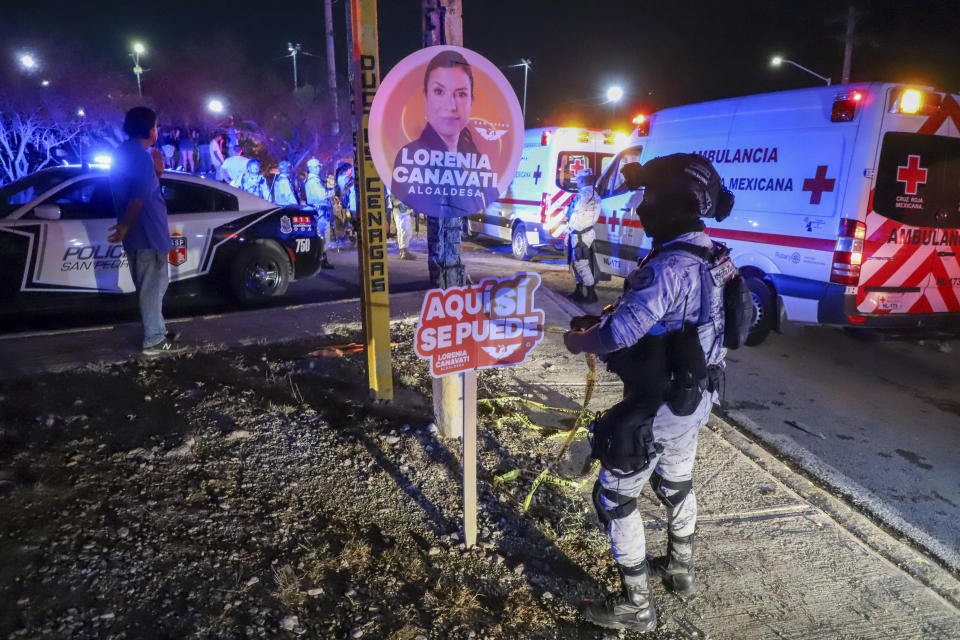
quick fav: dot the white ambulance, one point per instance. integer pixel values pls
(533, 211)
(847, 204)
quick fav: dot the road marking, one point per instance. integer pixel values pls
(55, 332)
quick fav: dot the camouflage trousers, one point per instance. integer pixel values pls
(678, 435)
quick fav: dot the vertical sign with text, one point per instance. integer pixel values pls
(375, 292)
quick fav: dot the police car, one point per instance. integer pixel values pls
(533, 211)
(847, 207)
(54, 250)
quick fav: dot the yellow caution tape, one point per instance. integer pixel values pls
(584, 416)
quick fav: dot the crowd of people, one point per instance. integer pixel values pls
(219, 155)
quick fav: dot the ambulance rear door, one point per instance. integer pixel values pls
(620, 235)
(911, 263)
(572, 151)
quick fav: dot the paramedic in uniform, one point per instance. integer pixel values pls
(584, 211)
(661, 294)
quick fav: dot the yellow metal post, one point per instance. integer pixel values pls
(375, 292)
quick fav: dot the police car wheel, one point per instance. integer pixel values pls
(519, 244)
(259, 273)
(765, 310)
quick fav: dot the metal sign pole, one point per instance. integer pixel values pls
(364, 66)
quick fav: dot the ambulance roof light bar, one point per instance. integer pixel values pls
(845, 105)
(643, 124)
(915, 102)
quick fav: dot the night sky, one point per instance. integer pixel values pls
(662, 53)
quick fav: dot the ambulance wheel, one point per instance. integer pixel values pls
(764, 311)
(260, 272)
(519, 244)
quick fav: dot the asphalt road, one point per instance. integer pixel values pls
(876, 420)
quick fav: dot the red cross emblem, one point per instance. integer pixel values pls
(576, 165)
(911, 175)
(818, 184)
(613, 222)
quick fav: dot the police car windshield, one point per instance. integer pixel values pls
(16, 194)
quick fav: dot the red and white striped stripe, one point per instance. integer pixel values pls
(554, 212)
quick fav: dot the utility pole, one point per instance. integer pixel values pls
(363, 53)
(332, 68)
(848, 44)
(294, 49)
(454, 395)
(442, 25)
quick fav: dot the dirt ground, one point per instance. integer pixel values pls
(253, 493)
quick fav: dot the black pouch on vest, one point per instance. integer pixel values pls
(643, 368)
(622, 438)
(688, 370)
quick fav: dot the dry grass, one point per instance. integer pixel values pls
(407, 561)
(355, 555)
(453, 603)
(288, 587)
(407, 632)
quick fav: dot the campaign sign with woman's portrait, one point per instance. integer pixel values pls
(446, 132)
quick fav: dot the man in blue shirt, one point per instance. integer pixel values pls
(142, 224)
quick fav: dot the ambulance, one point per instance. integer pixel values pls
(533, 211)
(847, 207)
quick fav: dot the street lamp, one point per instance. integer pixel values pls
(294, 49)
(138, 50)
(215, 106)
(776, 61)
(526, 64)
(28, 62)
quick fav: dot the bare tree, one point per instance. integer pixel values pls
(29, 142)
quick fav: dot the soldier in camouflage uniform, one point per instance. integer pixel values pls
(320, 197)
(252, 182)
(286, 189)
(665, 291)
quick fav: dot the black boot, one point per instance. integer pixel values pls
(577, 294)
(325, 264)
(591, 294)
(676, 568)
(630, 609)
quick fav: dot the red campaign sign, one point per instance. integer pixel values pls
(490, 324)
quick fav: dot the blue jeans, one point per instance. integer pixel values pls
(151, 277)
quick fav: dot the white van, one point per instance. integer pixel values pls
(533, 211)
(847, 204)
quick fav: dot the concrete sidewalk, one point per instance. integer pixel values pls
(777, 556)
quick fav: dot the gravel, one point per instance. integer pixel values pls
(255, 493)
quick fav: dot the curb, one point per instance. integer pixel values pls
(897, 551)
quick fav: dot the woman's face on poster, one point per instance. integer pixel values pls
(448, 100)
